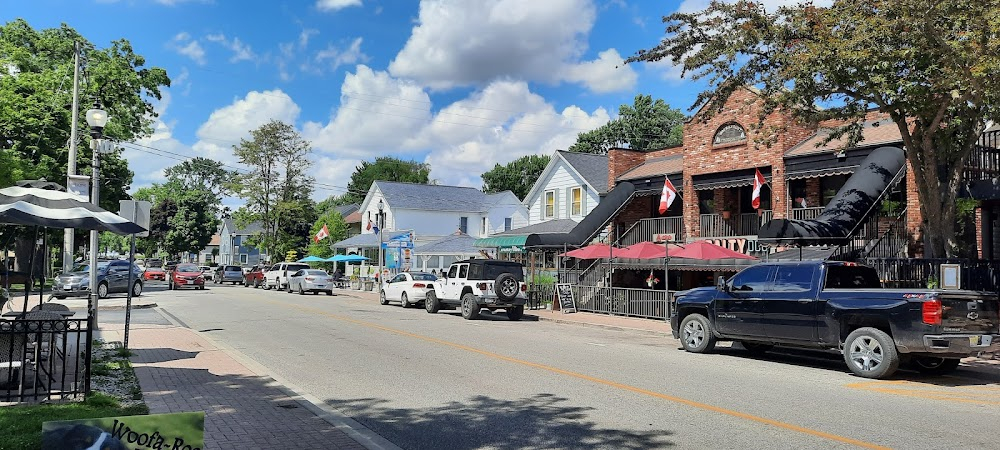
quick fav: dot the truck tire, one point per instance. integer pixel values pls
(756, 348)
(470, 307)
(381, 298)
(932, 365)
(515, 313)
(431, 303)
(506, 287)
(871, 353)
(696, 334)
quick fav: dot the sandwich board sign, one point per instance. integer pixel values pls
(564, 293)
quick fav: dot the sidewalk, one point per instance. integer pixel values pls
(179, 370)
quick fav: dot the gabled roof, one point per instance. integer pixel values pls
(874, 132)
(454, 244)
(433, 197)
(354, 217)
(549, 226)
(666, 165)
(253, 228)
(592, 167)
(346, 210)
(216, 240)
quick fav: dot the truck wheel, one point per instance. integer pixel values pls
(515, 313)
(871, 353)
(756, 348)
(431, 303)
(932, 365)
(506, 287)
(470, 307)
(381, 298)
(696, 334)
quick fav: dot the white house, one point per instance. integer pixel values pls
(569, 188)
(432, 212)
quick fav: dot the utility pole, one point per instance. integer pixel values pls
(68, 237)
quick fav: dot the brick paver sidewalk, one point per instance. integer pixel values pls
(181, 371)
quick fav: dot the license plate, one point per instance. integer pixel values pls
(980, 341)
(68, 287)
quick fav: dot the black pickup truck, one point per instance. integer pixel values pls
(839, 305)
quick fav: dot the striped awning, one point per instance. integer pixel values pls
(511, 242)
(52, 208)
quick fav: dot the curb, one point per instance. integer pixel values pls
(356, 431)
(600, 325)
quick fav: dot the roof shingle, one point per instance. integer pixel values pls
(875, 132)
(655, 167)
(592, 167)
(436, 197)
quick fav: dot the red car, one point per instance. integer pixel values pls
(186, 275)
(255, 277)
(154, 273)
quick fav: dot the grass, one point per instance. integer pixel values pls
(21, 425)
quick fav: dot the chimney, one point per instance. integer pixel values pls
(621, 160)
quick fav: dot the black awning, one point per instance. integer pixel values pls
(733, 178)
(852, 204)
(655, 184)
(824, 164)
(590, 225)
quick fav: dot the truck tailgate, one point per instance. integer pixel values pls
(969, 312)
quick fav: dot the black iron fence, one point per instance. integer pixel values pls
(977, 275)
(646, 303)
(44, 359)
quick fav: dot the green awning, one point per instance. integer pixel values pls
(508, 243)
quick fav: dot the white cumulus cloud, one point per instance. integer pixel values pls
(334, 57)
(184, 45)
(336, 5)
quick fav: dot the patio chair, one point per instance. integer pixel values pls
(12, 350)
(44, 336)
(54, 307)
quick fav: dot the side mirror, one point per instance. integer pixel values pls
(721, 284)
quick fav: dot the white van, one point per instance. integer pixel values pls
(277, 276)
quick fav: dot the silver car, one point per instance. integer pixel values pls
(310, 280)
(228, 274)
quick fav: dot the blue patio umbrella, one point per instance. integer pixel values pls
(335, 258)
(353, 258)
(312, 258)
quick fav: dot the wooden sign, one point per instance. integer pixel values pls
(564, 291)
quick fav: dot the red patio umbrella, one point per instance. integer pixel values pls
(705, 250)
(594, 251)
(643, 250)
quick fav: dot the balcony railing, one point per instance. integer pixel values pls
(715, 225)
(807, 213)
(983, 163)
(644, 229)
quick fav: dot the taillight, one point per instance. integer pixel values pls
(419, 285)
(309, 278)
(524, 287)
(481, 286)
(932, 312)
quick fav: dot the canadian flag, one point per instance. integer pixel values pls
(758, 182)
(369, 225)
(668, 195)
(323, 233)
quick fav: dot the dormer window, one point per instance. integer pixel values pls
(729, 133)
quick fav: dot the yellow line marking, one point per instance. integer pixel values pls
(956, 394)
(638, 390)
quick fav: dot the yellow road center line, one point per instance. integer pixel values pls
(638, 390)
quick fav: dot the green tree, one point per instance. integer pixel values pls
(277, 188)
(517, 176)
(191, 228)
(385, 168)
(929, 64)
(200, 173)
(338, 231)
(333, 201)
(646, 125)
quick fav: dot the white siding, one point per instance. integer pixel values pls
(560, 180)
(510, 207)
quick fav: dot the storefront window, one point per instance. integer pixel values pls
(828, 187)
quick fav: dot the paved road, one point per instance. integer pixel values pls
(437, 381)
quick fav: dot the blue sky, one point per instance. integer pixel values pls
(459, 84)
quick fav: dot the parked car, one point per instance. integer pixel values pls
(277, 276)
(310, 280)
(475, 284)
(839, 305)
(186, 274)
(408, 288)
(112, 276)
(228, 274)
(255, 277)
(154, 274)
(207, 272)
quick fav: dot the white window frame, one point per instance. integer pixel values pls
(575, 207)
(548, 213)
(508, 223)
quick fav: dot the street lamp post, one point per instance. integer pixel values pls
(97, 118)
(380, 221)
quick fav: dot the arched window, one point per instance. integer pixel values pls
(729, 133)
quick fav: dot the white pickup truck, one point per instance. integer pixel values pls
(277, 276)
(475, 284)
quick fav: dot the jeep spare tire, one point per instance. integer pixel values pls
(506, 287)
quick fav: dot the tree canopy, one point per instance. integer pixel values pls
(338, 231)
(204, 174)
(517, 176)
(385, 168)
(645, 125)
(930, 65)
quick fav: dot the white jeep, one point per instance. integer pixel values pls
(475, 284)
(277, 276)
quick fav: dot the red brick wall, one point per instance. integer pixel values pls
(621, 160)
(914, 218)
(638, 208)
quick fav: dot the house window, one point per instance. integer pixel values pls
(729, 133)
(482, 230)
(828, 187)
(550, 204)
(244, 258)
(507, 224)
(576, 205)
(463, 224)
